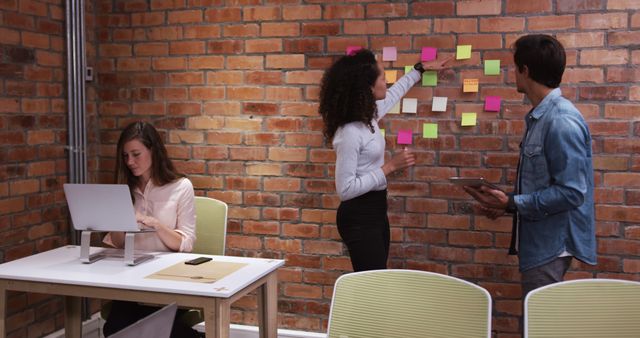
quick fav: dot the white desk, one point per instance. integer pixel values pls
(60, 272)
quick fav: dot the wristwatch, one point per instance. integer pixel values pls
(418, 66)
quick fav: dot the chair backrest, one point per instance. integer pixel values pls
(585, 308)
(155, 325)
(408, 303)
(211, 226)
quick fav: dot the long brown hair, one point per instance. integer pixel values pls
(162, 169)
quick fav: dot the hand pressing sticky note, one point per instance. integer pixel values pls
(430, 130)
(391, 76)
(470, 86)
(491, 67)
(389, 54)
(410, 106)
(428, 54)
(468, 119)
(463, 52)
(429, 79)
(407, 69)
(404, 136)
(395, 109)
(492, 103)
(353, 49)
(439, 104)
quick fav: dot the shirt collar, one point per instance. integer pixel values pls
(545, 104)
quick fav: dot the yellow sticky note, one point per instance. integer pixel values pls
(395, 109)
(468, 119)
(430, 130)
(382, 132)
(470, 86)
(463, 52)
(391, 76)
(407, 69)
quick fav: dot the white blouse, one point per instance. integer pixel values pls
(173, 205)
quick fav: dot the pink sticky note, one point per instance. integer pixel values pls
(353, 49)
(428, 54)
(405, 136)
(492, 103)
(389, 54)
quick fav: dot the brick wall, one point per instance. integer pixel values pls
(33, 165)
(233, 86)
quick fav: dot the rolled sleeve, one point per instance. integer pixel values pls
(186, 216)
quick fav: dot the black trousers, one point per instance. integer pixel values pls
(364, 227)
(123, 314)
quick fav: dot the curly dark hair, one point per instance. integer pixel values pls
(345, 92)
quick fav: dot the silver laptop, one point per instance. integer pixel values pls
(155, 325)
(101, 207)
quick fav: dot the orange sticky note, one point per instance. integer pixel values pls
(470, 86)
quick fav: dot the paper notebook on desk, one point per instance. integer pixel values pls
(209, 272)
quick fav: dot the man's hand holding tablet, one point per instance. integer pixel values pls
(493, 201)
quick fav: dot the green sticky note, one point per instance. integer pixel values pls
(491, 67)
(430, 130)
(429, 79)
(468, 119)
(382, 132)
(407, 69)
(463, 52)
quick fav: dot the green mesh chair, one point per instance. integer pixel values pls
(408, 304)
(585, 308)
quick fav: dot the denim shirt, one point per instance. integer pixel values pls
(555, 195)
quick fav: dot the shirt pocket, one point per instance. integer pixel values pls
(534, 172)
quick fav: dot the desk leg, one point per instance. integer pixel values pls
(3, 309)
(72, 317)
(223, 314)
(268, 307)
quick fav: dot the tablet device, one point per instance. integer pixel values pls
(472, 182)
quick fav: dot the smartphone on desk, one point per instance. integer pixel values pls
(198, 260)
(475, 182)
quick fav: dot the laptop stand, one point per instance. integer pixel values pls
(130, 258)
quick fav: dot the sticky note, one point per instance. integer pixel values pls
(389, 54)
(492, 103)
(429, 79)
(353, 49)
(430, 130)
(491, 67)
(410, 106)
(468, 119)
(391, 76)
(428, 54)
(404, 136)
(439, 103)
(463, 52)
(382, 132)
(395, 109)
(407, 69)
(470, 86)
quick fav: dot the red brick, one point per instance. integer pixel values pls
(577, 40)
(551, 23)
(603, 21)
(186, 16)
(270, 13)
(579, 5)
(245, 62)
(263, 46)
(248, 30)
(501, 24)
(519, 6)
(433, 8)
(623, 4)
(223, 15)
(479, 7)
(343, 12)
(623, 38)
(280, 29)
(147, 19)
(320, 28)
(207, 62)
(285, 61)
(312, 12)
(196, 32)
(366, 27)
(408, 27)
(455, 25)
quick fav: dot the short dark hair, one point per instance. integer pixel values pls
(543, 55)
(162, 169)
(345, 92)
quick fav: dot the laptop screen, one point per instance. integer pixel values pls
(101, 207)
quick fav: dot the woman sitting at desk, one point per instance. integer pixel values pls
(163, 200)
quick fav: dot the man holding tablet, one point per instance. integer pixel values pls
(552, 202)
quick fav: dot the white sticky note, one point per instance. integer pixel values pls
(410, 106)
(439, 103)
(389, 54)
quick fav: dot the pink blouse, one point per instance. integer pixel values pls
(173, 205)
